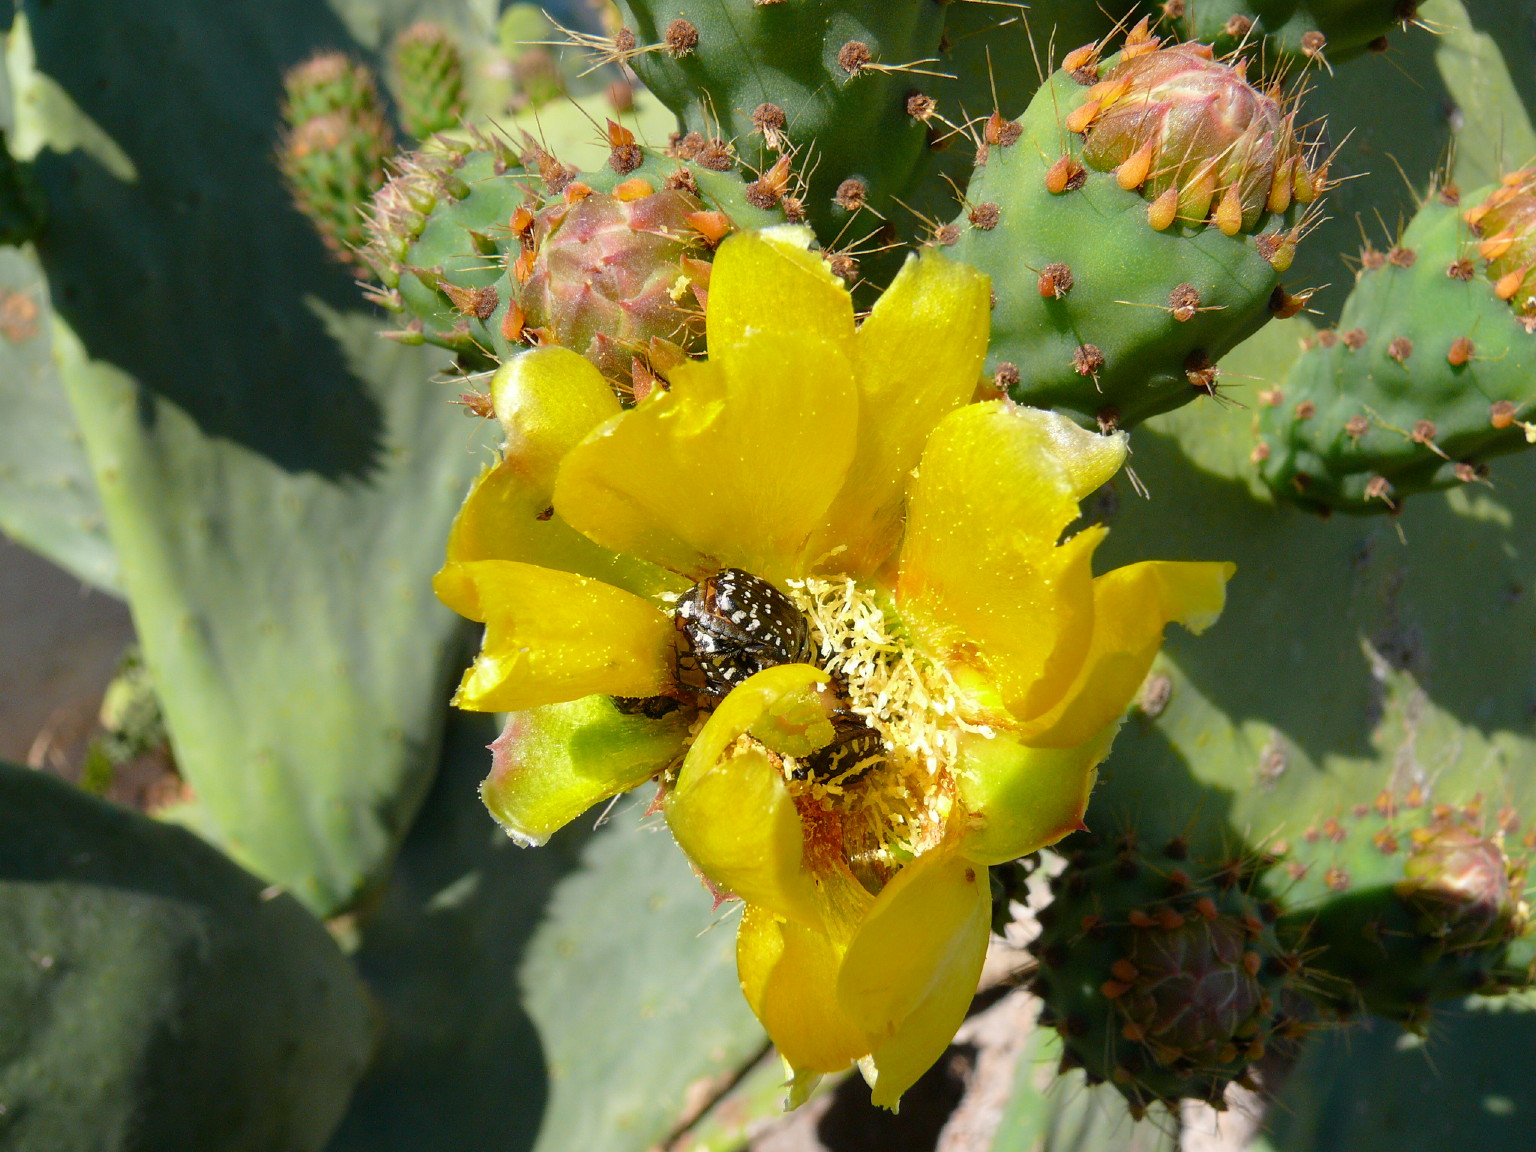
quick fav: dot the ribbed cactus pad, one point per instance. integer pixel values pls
(210, 1013)
(1430, 371)
(1136, 224)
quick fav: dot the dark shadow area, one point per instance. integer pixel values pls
(193, 276)
(1468, 1086)
(853, 1124)
(213, 1012)
(1148, 789)
(460, 1064)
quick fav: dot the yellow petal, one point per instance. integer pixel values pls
(554, 636)
(789, 976)
(1020, 798)
(551, 764)
(1131, 606)
(734, 467)
(730, 810)
(921, 926)
(547, 400)
(980, 564)
(911, 970)
(507, 517)
(768, 281)
(917, 356)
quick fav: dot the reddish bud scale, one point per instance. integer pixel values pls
(1195, 138)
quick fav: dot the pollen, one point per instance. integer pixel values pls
(907, 697)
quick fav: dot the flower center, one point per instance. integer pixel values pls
(896, 807)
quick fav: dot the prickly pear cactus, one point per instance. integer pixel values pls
(333, 151)
(1321, 32)
(1163, 975)
(1155, 199)
(1428, 373)
(1311, 841)
(428, 79)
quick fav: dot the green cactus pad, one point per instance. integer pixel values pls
(444, 243)
(1400, 904)
(1098, 312)
(1162, 973)
(211, 1013)
(48, 498)
(832, 87)
(1428, 375)
(1285, 33)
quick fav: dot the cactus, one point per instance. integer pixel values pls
(1405, 907)
(1288, 34)
(429, 79)
(1427, 374)
(488, 250)
(132, 946)
(1315, 828)
(333, 151)
(1163, 975)
(1156, 200)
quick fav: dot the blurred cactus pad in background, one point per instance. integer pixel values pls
(281, 283)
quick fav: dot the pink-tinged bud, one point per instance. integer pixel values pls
(1506, 221)
(1176, 120)
(610, 274)
(1461, 886)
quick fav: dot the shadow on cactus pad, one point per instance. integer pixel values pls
(193, 273)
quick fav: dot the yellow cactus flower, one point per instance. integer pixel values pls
(826, 600)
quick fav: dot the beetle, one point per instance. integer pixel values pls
(731, 625)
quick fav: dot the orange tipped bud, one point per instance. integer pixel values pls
(1229, 211)
(1133, 173)
(1079, 58)
(619, 136)
(576, 191)
(1162, 211)
(634, 189)
(713, 226)
(1080, 118)
(1508, 284)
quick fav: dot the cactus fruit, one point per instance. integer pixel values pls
(1157, 199)
(1285, 32)
(1402, 903)
(1429, 371)
(1163, 975)
(334, 147)
(429, 80)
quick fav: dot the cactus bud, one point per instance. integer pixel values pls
(429, 80)
(1191, 132)
(1507, 223)
(609, 274)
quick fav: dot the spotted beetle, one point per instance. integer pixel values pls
(733, 624)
